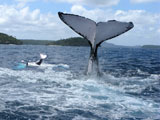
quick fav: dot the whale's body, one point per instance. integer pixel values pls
(95, 33)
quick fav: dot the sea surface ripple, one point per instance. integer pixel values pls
(58, 90)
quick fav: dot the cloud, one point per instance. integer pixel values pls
(23, 23)
(94, 14)
(158, 30)
(26, 23)
(144, 1)
(139, 17)
(146, 24)
(95, 3)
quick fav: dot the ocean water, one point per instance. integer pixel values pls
(58, 89)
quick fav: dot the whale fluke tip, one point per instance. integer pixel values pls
(43, 56)
(59, 13)
(131, 25)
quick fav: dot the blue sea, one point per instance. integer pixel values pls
(129, 88)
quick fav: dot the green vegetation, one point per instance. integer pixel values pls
(35, 42)
(76, 41)
(6, 39)
(151, 46)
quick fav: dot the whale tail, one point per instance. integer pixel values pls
(95, 33)
(42, 57)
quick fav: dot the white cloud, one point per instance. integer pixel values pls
(158, 30)
(146, 24)
(97, 3)
(144, 1)
(25, 23)
(95, 14)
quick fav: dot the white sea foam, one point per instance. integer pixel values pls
(32, 75)
(61, 90)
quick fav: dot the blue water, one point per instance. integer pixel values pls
(58, 90)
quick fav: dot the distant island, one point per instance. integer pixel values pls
(151, 46)
(6, 39)
(35, 42)
(76, 41)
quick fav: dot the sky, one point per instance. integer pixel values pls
(38, 19)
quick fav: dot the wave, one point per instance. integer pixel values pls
(83, 97)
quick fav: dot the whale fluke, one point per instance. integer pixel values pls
(95, 33)
(42, 57)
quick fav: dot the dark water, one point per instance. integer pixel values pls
(128, 90)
